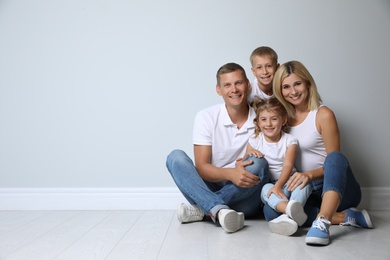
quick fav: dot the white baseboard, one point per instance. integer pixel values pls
(161, 198)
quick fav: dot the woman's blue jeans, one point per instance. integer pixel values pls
(338, 177)
(212, 196)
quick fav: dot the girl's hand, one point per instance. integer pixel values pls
(278, 193)
(298, 179)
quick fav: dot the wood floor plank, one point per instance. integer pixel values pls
(21, 236)
(145, 237)
(15, 219)
(157, 234)
(100, 241)
(58, 239)
(186, 241)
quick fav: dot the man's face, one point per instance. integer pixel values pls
(233, 87)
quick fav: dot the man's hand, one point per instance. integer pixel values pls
(241, 177)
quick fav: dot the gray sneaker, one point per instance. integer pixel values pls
(230, 220)
(189, 213)
(283, 225)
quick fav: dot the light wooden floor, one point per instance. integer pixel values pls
(158, 235)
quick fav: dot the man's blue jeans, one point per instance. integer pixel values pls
(338, 177)
(213, 196)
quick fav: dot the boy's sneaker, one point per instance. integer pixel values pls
(295, 211)
(357, 218)
(189, 213)
(283, 225)
(230, 220)
(319, 232)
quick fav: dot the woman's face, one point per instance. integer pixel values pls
(295, 90)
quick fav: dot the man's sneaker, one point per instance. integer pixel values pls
(319, 232)
(295, 211)
(230, 220)
(357, 218)
(189, 213)
(283, 225)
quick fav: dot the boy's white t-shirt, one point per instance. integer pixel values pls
(214, 127)
(273, 152)
(255, 92)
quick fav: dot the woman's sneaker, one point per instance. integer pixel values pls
(230, 220)
(283, 225)
(189, 213)
(295, 211)
(357, 218)
(319, 232)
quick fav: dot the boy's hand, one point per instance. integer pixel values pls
(255, 153)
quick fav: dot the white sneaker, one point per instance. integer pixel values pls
(189, 213)
(230, 220)
(283, 225)
(295, 211)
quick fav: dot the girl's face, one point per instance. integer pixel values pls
(295, 90)
(270, 123)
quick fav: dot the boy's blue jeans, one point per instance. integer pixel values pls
(338, 177)
(212, 196)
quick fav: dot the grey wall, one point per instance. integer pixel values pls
(96, 93)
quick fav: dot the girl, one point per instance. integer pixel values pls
(279, 148)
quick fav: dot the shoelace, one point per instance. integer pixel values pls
(320, 224)
(350, 222)
(193, 211)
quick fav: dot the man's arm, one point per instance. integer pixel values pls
(208, 172)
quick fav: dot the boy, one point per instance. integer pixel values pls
(264, 62)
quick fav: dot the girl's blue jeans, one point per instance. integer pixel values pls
(213, 196)
(338, 177)
(300, 195)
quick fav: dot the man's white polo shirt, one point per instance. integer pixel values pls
(214, 127)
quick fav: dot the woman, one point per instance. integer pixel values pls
(319, 161)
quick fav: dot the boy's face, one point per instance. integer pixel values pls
(233, 87)
(264, 69)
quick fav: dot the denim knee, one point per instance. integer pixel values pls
(259, 167)
(174, 155)
(335, 173)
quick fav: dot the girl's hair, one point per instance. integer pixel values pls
(297, 68)
(271, 104)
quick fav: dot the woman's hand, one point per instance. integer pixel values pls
(300, 179)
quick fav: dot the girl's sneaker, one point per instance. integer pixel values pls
(319, 232)
(357, 218)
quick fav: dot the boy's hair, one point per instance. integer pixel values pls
(271, 104)
(265, 51)
(229, 67)
(297, 68)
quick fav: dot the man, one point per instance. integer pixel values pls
(221, 184)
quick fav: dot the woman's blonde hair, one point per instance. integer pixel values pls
(271, 104)
(297, 68)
